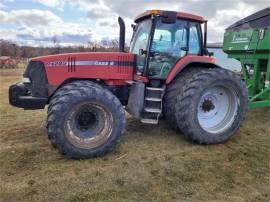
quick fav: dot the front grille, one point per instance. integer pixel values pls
(38, 87)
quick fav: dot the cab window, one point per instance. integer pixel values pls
(168, 46)
(181, 41)
(140, 41)
(141, 37)
(162, 40)
(194, 40)
(170, 39)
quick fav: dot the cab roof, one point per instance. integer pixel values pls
(182, 15)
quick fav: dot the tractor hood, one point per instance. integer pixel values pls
(109, 66)
(86, 58)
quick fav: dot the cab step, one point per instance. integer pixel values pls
(156, 89)
(152, 110)
(149, 121)
(152, 105)
(153, 99)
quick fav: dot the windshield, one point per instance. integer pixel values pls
(170, 38)
(141, 35)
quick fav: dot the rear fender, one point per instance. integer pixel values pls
(189, 61)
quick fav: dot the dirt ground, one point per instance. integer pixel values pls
(152, 163)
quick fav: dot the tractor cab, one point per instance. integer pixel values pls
(161, 38)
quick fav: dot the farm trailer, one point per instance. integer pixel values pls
(248, 41)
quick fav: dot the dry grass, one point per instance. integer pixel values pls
(152, 163)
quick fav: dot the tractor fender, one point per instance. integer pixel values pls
(52, 89)
(188, 61)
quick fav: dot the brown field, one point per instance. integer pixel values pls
(152, 163)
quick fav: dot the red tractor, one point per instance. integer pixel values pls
(167, 71)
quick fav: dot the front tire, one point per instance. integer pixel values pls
(212, 106)
(85, 120)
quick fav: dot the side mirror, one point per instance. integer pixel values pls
(210, 54)
(142, 52)
(206, 52)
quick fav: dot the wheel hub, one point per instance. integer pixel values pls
(217, 109)
(207, 105)
(86, 119)
(88, 125)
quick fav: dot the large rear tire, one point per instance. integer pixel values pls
(85, 120)
(212, 106)
(173, 90)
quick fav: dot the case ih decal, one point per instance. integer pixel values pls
(89, 63)
(57, 63)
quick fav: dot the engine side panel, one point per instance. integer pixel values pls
(105, 66)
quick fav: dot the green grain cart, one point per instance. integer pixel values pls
(248, 41)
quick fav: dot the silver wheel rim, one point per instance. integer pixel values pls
(217, 109)
(93, 136)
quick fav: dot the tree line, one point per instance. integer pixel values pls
(14, 50)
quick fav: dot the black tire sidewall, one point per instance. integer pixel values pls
(175, 89)
(95, 96)
(198, 133)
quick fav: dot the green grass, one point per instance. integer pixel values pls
(152, 163)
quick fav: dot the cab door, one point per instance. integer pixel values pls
(169, 44)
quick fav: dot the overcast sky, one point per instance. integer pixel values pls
(74, 22)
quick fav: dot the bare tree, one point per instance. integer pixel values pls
(93, 44)
(56, 45)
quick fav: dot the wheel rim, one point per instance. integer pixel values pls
(217, 109)
(88, 125)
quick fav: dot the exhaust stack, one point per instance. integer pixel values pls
(121, 34)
